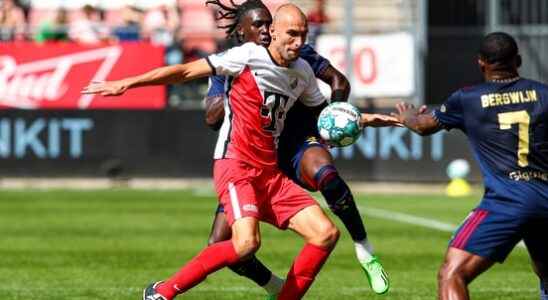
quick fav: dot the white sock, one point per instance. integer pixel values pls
(364, 251)
(274, 285)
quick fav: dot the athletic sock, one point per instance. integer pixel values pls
(364, 251)
(544, 290)
(255, 270)
(303, 271)
(338, 196)
(211, 259)
(274, 285)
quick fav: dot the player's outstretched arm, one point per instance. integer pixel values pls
(378, 120)
(163, 75)
(340, 87)
(418, 120)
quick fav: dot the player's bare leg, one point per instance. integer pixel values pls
(541, 269)
(537, 246)
(251, 268)
(458, 270)
(318, 170)
(244, 243)
(320, 236)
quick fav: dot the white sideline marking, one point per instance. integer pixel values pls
(411, 219)
(406, 218)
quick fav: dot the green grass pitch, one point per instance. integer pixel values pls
(108, 244)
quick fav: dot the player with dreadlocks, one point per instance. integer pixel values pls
(301, 156)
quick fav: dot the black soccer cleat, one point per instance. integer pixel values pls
(149, 293)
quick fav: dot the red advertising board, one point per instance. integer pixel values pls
(51, 76)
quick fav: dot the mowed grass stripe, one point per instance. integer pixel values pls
(109, 244)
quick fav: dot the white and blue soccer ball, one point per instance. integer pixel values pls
(339, 124)
(458, 168)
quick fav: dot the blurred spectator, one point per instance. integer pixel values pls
(316, 20)
(12, 21)
(89, 29)
(161, 24)
(54, 30)
(130, 30)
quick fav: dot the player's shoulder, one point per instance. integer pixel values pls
(307, 50)
(302, 65)
(535, 84)
(250, 48)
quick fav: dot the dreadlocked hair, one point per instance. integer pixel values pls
(234, 13)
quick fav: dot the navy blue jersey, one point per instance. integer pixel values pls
(316, 61)
(507, 128)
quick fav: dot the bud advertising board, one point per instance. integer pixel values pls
(51, 76)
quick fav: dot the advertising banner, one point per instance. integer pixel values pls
(173, 143)
(383, 64)
(51, 76)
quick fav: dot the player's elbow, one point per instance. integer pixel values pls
(213, 122)
(341, 87)
(424, 130)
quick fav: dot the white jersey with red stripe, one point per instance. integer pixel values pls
(258, 95)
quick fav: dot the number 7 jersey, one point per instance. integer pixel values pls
(507, 128)
(258, 95)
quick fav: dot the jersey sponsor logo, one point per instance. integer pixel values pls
(528, 175)
(312, 140)
(517, 97)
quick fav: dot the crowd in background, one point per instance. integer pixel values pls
(185, 35)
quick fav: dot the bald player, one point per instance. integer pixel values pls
(264, 84)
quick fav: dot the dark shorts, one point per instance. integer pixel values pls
(300, 133)
(493, 235)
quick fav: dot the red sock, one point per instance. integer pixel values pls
(211, 259)
(305, 268)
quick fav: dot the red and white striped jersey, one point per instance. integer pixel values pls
(258, 95)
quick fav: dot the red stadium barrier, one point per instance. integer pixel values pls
(51, 76)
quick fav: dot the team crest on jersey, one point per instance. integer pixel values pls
(443, 108)
(294, 84)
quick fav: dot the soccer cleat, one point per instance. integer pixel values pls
(149, 293)
(378, 279)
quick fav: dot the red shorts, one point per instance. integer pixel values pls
(266, 194)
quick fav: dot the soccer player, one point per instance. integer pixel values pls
(506, 121)
(264, 85)
(301, 156)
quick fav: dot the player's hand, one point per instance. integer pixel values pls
(106, 88)
(379, 120)
(405, 110)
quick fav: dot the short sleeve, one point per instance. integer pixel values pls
(232, 61)
(216, 86)
(317, 62)
(312, 96)
(450, 113)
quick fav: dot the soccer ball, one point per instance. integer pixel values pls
(458, 168)
(339, 124)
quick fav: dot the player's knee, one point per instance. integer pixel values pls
(328, 235)
(451, 272)
(246, 246)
